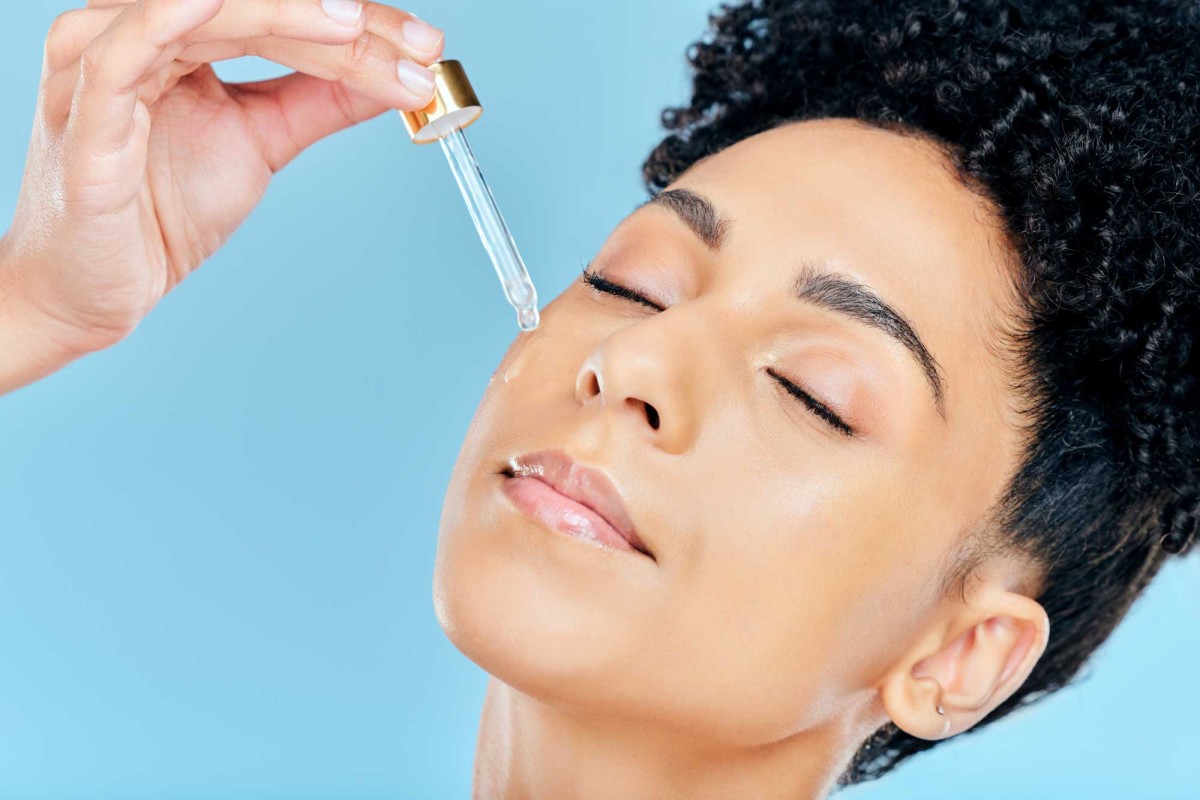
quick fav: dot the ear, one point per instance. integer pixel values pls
(968, 661)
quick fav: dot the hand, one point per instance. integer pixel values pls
(142, 162)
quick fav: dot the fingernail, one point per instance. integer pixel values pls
(416, 79)
(422, 36)
(346, 12)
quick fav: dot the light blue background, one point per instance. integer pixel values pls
(217, 537)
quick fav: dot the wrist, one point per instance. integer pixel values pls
(28, 349)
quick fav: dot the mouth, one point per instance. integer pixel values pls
(572, 498)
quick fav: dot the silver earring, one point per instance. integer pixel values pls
(941, 710)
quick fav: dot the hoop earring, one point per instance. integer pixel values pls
(941, 710)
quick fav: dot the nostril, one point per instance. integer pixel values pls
(652, 416)
(593, 385)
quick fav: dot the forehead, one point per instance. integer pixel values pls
(885, 206)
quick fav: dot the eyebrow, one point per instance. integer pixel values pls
(696, 212)
(850, 298)
(815, 284)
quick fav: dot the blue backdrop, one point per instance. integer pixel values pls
(217, 538)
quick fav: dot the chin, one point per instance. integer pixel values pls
(551, 616)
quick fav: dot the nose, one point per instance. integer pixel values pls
(637, 380)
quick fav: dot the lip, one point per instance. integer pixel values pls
(573, 498)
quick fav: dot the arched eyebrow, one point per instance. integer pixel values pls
(850, 298)
(815, 284)
(696, 212)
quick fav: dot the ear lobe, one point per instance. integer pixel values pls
(969, 666)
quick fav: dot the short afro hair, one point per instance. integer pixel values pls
(1081, 122)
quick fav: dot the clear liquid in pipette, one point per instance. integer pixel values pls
(493, 232)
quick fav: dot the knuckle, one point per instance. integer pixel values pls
(156, 21)
(61, 25)
(61, 39)
(387, 21)
(268, 19)
(92, 63)
(358, 54)
(154, 16)
(341, 98)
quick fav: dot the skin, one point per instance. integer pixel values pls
(794, 604)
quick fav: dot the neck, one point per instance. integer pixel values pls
(528, 750)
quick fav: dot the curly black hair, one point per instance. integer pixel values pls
(1080, 120)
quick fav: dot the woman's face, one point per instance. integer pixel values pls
(793, 564)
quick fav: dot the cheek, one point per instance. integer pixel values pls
(545, 361)
(537, 370)
(800, 595)
(864, 565)
(769, 590)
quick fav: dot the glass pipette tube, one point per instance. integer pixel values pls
(497, 240)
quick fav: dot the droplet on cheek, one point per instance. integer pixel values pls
(519, 358)
(529, 345)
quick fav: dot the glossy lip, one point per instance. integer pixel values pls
(587, 486)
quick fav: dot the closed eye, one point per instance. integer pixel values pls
(608, 287)
(813, 405)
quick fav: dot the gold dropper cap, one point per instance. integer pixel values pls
(454, 105)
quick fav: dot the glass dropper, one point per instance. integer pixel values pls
(497, 240)
(454, 107)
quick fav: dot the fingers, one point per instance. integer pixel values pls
(293, 112)
(335, 88)
(371, 61)
(386, 62)
(116, 62)
(302, 20)
(418, 40)
(370, 66)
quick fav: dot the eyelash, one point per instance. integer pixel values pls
(608, 287)
(811, 403)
